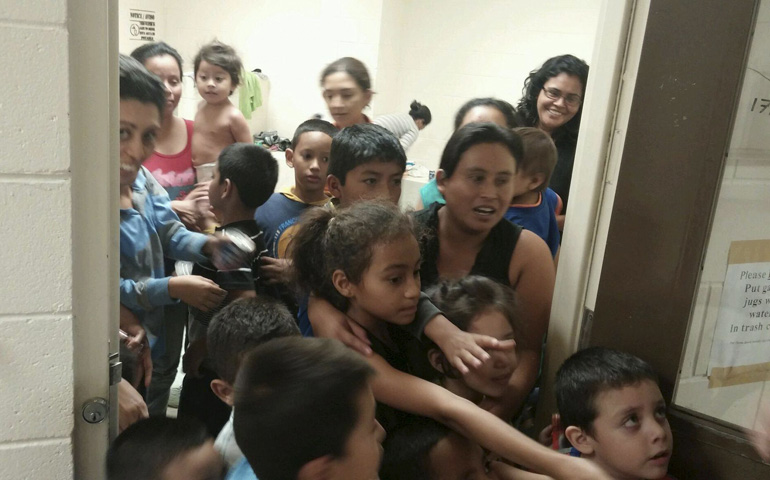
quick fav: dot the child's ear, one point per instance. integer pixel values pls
(535, 181)
(334, 186)
(342, 284)
(320, 468)
(580, 439)
(223, 390)
(229, 188)
(436, 359)
(289, 157)
(441, 180)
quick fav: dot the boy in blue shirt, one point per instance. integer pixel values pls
(534, 205)
(150, 230)
(309, 157)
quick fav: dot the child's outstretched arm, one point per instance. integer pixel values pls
(239, 128)
(411, 394)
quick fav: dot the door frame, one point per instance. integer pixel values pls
(688, 80)
(93, 103)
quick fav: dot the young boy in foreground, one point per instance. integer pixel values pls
(304, 410)
(244, 178)
(161, 448)
(614, 414)
(234, 331)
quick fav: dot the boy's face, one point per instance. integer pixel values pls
(456, 458)
(139, 125)
(213, 82)
(631, 436)
(369, 181)
(363, 450)
(310, 161)
(200, 463)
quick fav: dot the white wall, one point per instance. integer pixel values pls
(36, 379)
(439, 52)
(443, 53)
(741, 214)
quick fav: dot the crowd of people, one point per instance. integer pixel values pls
(331, 335)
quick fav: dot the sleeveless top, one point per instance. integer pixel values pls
(493, 260)
(174, 172)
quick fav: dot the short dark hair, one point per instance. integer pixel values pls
(136, 83)
(147, 447)
(569, 64)
(540, 154)
(363, 143)
(243, 325)
(296, 399)
(461, 300)
(418, 111)
(586, 374)
(474, 134)
(512, 119)
(408, 447)
(150, 50)
(353, 67)
(223, 56)
(342, 240)
(252, 169)
(313, 125)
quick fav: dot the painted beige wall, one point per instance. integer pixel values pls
(36, 344)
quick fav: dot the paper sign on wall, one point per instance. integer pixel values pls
(142, 25)
(740, 352)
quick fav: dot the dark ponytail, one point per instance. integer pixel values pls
(419, 111)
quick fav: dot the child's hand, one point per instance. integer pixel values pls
(196, 291)
(329, 322)
(137, 342)
(275, 270)
(546, 435)
(131, 406)
(226, 254)
(463, 350)
(187, 213)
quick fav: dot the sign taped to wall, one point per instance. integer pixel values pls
(142, 25)
(740, 352)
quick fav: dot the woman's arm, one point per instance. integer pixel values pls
(411, 394)
(532, 275)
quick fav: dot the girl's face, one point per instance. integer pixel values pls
(166, 68)
(390, 288)
(492, 377)
(345, 98)
(481, 188)
(213, 82)
(559, 101)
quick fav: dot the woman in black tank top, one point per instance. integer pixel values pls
(469, 235)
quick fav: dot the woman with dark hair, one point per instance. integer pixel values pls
(171, 162)
(347, 90)
(475, 110)
(406, 126)
(553, 102)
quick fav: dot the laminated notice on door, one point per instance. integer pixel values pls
(740, 352)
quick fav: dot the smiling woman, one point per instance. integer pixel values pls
(553, 102)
